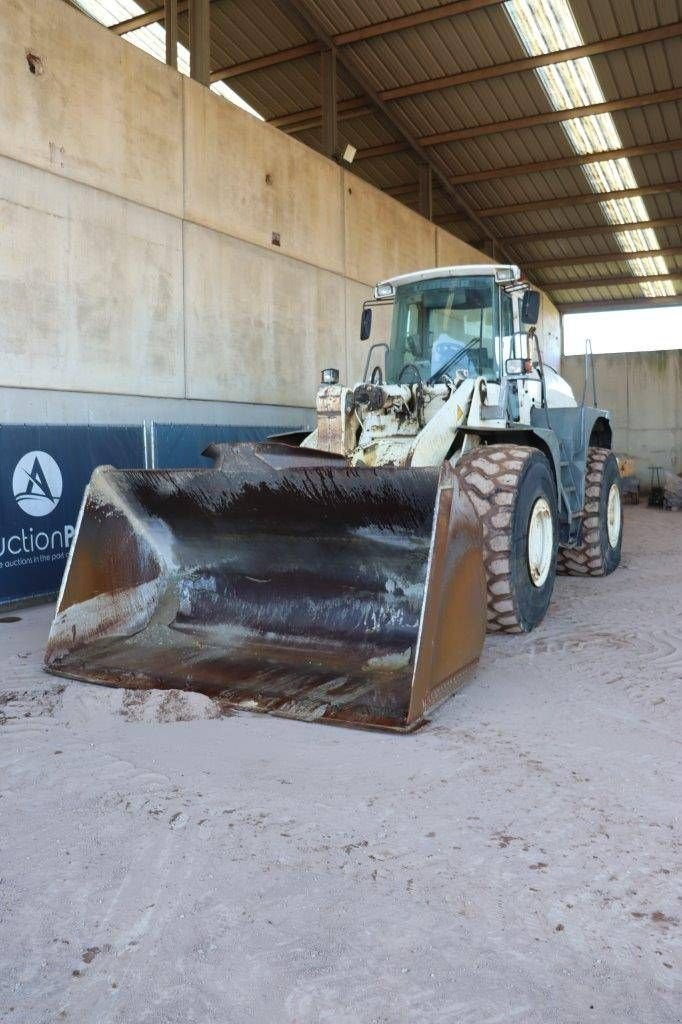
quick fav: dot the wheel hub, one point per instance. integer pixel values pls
(613, 515)
(540, 542)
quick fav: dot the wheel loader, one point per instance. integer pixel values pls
(349, 575)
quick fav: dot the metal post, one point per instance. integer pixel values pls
(426, 191)
(170, 8)
(328, 90)
(199, 35)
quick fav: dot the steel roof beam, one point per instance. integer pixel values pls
(355, 107)
(329, 89)
(591, 229)
(609, 282)
(356, 68)
(121, 28)
(343, 39)
(268, 61)
(581, 199)
(531, 121)
(200, 41)
(380, 28)
(426, 191)
(602, 305)
(603, 257)
(577, 160)
(518, 66)
(171, 20)
(513, 67)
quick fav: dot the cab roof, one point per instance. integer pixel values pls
(507, 272)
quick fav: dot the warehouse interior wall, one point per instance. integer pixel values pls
(643, 392)
(159, 242)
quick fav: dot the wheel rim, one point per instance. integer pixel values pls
(540, 542)
(613, 515)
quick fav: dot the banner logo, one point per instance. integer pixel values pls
(37, 483)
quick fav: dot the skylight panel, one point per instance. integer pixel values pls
(650, 265)
(657, 289)
(572, 83)
(625, 211)
(152, 39)
(610, 175)
(110, 12)
(592, 134)
(549, 26)
(544, 27)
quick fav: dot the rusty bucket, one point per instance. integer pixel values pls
(296, 586)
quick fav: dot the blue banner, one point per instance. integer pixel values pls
(43, 472)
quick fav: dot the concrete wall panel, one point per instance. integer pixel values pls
(643, 393)
(383, 237)
(249, 180)
(451, 251)
(357, 350)
(33, 405)
(654, 389)
(102, 112)
(97, 151)
(90, 288)
(260, 327)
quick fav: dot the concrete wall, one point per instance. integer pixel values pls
(643, 392)
(139, 214)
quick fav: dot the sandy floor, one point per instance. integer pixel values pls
(514, 861)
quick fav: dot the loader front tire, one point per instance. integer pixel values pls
(598, 553)
(513, 491)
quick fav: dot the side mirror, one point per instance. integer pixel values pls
(530, 307)
(513, 367)
(366, 323)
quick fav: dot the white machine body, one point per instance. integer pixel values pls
(418, 421)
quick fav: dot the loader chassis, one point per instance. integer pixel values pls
(349, 575)
(460, 380)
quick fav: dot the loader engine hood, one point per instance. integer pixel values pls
(380, 424)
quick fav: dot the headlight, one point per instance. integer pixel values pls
(507, 273)
(330, 376)
(383, 291)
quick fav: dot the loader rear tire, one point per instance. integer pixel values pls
(598, 553)
(513, 491)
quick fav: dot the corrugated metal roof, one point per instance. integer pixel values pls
(466, 42)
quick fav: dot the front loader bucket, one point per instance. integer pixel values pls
(312, 590)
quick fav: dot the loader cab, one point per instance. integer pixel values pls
(444, 321)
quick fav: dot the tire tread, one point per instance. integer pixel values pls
(587, 559)
(490, 476)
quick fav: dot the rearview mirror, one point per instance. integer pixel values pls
(515, 367)
(366, 323)
(530, 307)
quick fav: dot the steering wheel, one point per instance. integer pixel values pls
(414, 369)
(449, 363)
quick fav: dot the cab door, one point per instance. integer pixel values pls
(530, 385)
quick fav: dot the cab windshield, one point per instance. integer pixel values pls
(442, 326)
